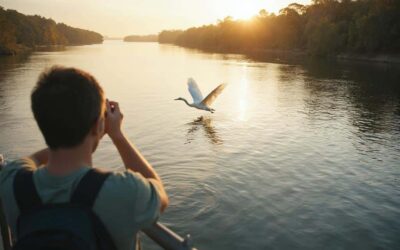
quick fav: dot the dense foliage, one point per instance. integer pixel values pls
(138, 38)
(170, 36)
(326, 27)
(19, 31)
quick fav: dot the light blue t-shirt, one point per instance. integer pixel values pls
(126, 203)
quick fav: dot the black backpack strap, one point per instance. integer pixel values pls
(25, 191)
(85, 194)
(89, 187)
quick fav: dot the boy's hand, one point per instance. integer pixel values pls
(113, 120)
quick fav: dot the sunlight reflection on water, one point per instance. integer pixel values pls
(243, 96)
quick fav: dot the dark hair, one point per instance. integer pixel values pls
(66, 102)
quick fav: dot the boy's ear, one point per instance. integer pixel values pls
(98, 127)
(102, 125)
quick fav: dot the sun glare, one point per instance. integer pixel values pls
(244, 11)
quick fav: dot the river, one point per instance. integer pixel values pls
(297, 155)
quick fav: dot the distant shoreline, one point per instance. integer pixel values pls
(138, 41)
(297, 54)
(141, 38)
(22, 49)
(377, 58)
(289, 55)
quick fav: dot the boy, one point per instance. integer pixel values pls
(73, 115)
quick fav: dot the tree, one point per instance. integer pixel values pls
(19, 31)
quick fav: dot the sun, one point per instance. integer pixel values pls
(246, 9)
(243, 11)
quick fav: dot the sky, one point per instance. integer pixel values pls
(118, 18)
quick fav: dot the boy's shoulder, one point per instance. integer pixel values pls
(131, 196)
(8, 171)
(124, 178)
(128, 183)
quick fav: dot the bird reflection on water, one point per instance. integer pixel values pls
(210, 132)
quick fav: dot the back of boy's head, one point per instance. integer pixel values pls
(66, 103)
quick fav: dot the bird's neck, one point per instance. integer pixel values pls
(187, 103)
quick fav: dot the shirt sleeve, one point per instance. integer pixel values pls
(7, 175)
(11, 168)
(135, 201)
(148, 202)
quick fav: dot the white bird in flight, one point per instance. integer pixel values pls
(198, 101)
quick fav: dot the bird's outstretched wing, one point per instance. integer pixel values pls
(194, 91)
(213, 95)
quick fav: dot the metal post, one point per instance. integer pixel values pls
(168, 239)
(5, 230)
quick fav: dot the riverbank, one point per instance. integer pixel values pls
(375, 58)
(16, 49)
(139, 38)
(20, 49)
(300, 55)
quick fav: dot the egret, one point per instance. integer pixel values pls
(198, 101)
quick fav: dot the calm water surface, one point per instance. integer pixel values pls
(303, 156)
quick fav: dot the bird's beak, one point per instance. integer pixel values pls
(176, 99)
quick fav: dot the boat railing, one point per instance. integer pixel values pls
(168, 239)
(159, 233)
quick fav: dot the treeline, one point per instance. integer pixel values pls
(20, 32)
(138, 38)
(171, 36)
(326, 27)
